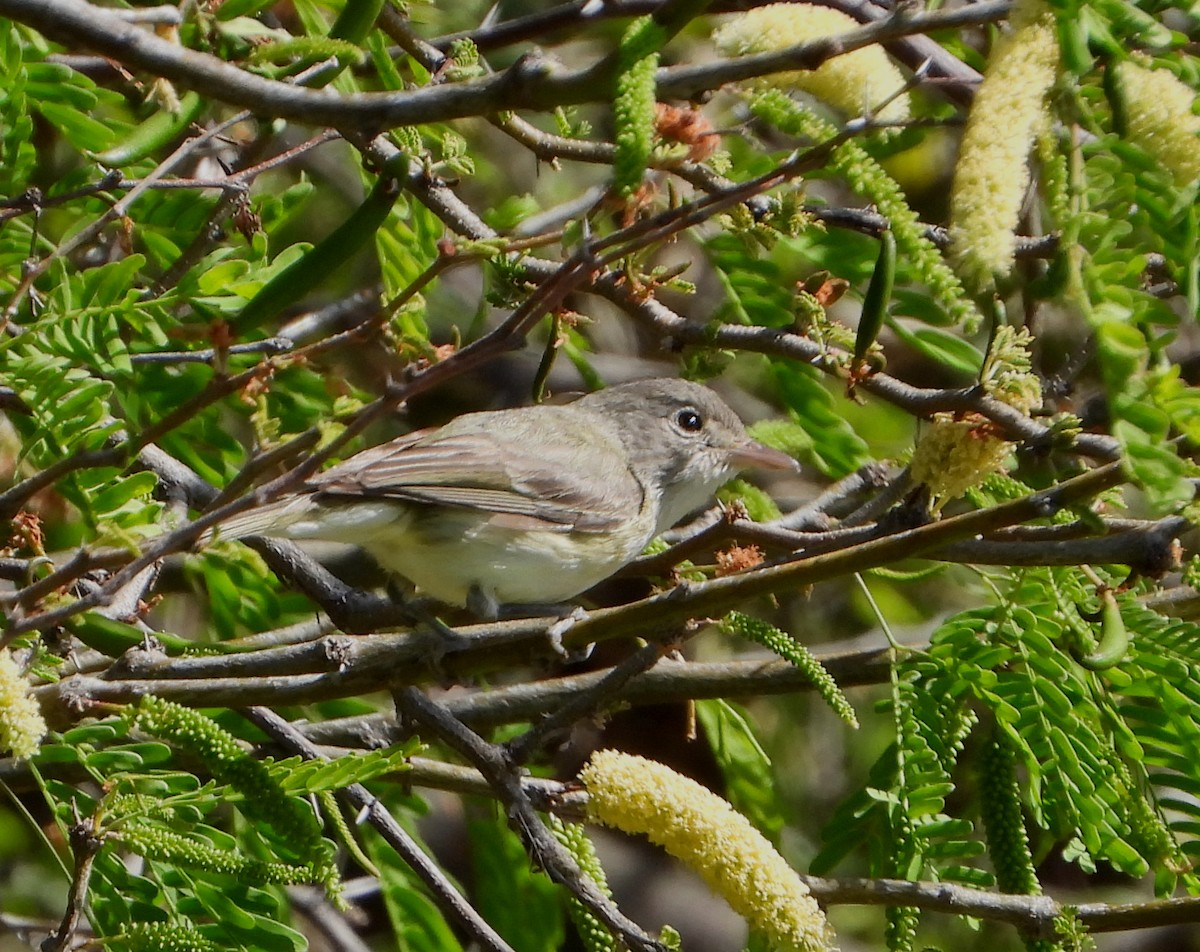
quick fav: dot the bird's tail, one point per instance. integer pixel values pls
(273, 519)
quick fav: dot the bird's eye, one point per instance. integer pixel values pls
(689, 421)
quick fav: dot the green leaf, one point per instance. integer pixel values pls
(837, 449)
(941, 346)
(315, 776)
(968, 876)
(1162, 473)
(81, 130)
(100, 732)
(122, 490)
(756, 291)
(241, 8)
(417, 925)
(111, 283)
(749, 781)
(524, 906)
(59, 84)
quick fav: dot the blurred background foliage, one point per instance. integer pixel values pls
(237, 289)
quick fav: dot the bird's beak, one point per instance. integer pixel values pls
(751, 455)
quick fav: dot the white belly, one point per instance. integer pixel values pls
(447, 552)
(513, 567)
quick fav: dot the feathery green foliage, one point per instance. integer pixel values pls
(851, 161)
(633, 102)
(592, 934)
(410, 208)
(784, 645)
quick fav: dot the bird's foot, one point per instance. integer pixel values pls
(420, 611)
(485, 605)
(556, 631)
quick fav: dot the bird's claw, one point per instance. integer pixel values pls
(556, 631)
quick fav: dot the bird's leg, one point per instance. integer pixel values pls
(556, 631)
(420, 612)
(485, 605)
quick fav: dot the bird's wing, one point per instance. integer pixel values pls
(514, 470)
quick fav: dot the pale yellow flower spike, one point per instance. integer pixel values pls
(992, 174)
(852, 83)
(1161, 119)
(954, 453)
(704, 832)
(21, 724)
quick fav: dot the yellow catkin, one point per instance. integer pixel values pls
(1161, 120)
(21, 725)
(696, 826)
(956, 453)
(992, 174)
(854, 83)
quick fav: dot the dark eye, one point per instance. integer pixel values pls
(689, 421)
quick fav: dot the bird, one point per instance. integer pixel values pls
(526, 506)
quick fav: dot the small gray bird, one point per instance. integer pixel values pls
(530, 505)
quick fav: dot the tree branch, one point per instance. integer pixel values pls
(543, 848)
(360, 800)
(531, 83)
(85, 845)
(1034, 915)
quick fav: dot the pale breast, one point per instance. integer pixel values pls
(512, 566)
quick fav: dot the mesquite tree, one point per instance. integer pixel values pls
(948, 258)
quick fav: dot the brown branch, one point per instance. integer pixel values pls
(676, 331)
(507, 336)
(504, 778)
(583, 703)
(1034, 915)
(451, 902)
(948, 75)
(552, 148)
(537, 25)
(659, 613)
(922, 402)
(341, 666)
(531, 83)
(690, 81)
(338, 666)
(667, 681)
(117, 210)
(119, 453)
(1147, 547)
(331, 924)
(85, 844)
(270, 347)
(15, 497)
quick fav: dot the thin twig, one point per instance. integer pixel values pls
(1035, 915)
(269, 346)
(543, 848)
(584, 703)
(530, 83)
(85, 844)
(118, 209)
(360, 800)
